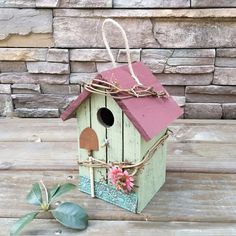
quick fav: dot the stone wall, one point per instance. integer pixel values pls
(49, 47)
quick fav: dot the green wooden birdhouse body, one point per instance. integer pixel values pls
(124, 144)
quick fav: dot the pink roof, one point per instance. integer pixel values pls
(150, 115)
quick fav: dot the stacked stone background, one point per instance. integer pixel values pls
(48, 48)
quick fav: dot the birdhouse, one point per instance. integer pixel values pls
(122, 118)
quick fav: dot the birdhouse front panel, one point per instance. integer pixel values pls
(118, 142)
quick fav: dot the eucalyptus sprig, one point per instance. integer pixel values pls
(68, 214)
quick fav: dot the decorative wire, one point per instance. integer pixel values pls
(112, 89)
(94, 163)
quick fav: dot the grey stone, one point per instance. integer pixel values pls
(134, 55)
(147, 13)
(73, 32)
(195, 33)
(48, 67)
(35, 101)
(81, 78)
(152, 3)
(103, 66)
(210, 98)
(203, 111)
(83, 66)
(30, 40)
(212, 89)
(182, 79)
(26, 78)
(25, 88)
(156, 59)
(6, 107)
(5, 88)
(190, 61)
(226, 52)
(225, 62)
(175, 90)
(86, 4)
(36, 113)
(229, 111)
(180, 100)
(6, 66)
(60, 89)
(224, 76)
(17, 3)
(99, 55)
(58, 55)
(47, 3)
(189, 69)
(24, 22)
(213, 3)
(23, 54)
(190, 53)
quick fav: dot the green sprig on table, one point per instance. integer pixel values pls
(67, 213)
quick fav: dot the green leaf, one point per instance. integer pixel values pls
(53, 191)
(22, 222)
(35, 195)
(56, 192)
(71, 215)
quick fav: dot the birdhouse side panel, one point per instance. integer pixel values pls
(152, 176)
(115, 133)
(97, 102)
(83, 121)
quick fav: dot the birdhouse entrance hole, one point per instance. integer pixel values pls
(105, 117)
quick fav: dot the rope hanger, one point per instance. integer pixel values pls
(126, 46)
(112, 88)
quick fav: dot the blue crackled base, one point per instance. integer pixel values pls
(110, 194)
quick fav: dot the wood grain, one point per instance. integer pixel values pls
(200, 186)
(184, 197)
(125, 228)
(214, 131)
(187, 157)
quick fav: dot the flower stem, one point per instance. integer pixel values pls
(45, 190)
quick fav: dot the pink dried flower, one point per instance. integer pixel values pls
(121, 179)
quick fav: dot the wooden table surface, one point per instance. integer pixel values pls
(198, 198)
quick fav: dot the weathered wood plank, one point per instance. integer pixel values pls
(188, 157)
(201, 157)
(184, 197)
(204, 132)
(34, 130)
(126, 228)
(38, 156)
(185, 130)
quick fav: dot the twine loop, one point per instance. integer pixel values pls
(115, 23)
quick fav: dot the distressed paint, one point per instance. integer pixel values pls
(152, 176)
(131, 141)
(97, 102)
(83, 121)
(115, 133)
